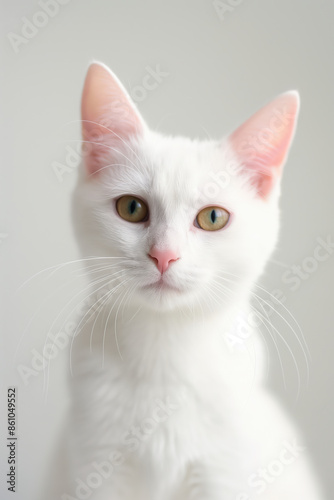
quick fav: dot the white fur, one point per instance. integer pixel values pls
(146, 346)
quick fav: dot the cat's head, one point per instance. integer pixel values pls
(181, 223)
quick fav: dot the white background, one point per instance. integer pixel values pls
(219, 72)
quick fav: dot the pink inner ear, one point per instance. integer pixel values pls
(262, 142)
(109, 117)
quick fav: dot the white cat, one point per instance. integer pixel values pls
(175, 233)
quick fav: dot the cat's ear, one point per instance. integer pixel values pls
(109, 117)
(263, 141)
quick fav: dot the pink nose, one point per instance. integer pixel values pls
(162, 258)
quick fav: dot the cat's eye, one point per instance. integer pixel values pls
(212, 218)
(132, 209)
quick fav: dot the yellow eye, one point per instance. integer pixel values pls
(212, 218)
(132, 209)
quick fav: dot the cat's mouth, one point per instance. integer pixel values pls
(161, 285)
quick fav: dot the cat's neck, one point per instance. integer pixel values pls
(167, 346)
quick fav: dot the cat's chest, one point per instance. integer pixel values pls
(169, 421)
(170, 395)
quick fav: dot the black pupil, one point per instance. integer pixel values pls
(133, 206)
(213, 216)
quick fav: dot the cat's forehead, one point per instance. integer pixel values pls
(179, 166)
(172, 171)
